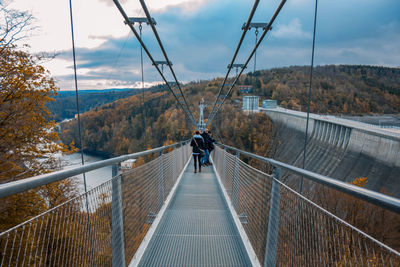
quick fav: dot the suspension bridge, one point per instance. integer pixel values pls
(231, 214)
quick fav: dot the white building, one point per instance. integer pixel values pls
(269, 103)
(250, 103)
(127, 164)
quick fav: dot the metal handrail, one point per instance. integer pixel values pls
(379, 199)
(23, 185)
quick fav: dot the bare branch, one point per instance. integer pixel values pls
(15, 25)
(43, 57)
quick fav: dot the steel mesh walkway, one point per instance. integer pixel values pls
(196, 229)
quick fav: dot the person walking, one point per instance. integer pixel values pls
(198, 148)
(204, 134)
(210, 146)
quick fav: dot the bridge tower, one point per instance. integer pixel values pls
(201, 125)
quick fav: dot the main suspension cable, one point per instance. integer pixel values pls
(245, 29)
(129, 23)
(266, 29)
(146, 11)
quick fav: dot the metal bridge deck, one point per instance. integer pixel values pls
(196, 229)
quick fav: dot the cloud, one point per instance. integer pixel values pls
(100, 37)
(200, 37)
(159, 6)
(111, 2)
(184, 7)
(293, 30)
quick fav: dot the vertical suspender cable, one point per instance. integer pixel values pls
(119, 55)
(144, 107)
(255, 54)
(252, 103)
(79, 130)
(306, 134)
(309, 91)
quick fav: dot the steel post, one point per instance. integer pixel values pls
(273, 220)
(175, 165)
(118, 240)
(160, 182)
(223, 165)
(114, 170)
(235, 185)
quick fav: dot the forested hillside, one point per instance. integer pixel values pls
(118, 128)
(64, 106)
(339, 89)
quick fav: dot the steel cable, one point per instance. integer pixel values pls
(308, 114)
(127, 21)
(146, 11)
(246, 28)
(215, 110)
(79, 121)
(143, 103)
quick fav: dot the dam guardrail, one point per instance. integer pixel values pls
(339, 148)
(364, 127)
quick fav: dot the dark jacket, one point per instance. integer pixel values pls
(200, 143)
(211, 142)
(206, 139)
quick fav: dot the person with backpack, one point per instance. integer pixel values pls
(198, 149)
(210, 146)
(205, 136)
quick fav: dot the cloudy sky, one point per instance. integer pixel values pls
(200, 37)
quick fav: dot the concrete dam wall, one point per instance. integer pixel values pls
(339, 148)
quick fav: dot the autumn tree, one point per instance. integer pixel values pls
(28, 140)
(26, 135)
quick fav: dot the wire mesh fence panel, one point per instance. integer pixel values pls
(248, 189)
(144, 190)
(139, 202)
(307, 234)
(311, 236)
(80, 231)
(63, 235)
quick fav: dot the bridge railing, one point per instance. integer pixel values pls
(285, 228)
(102, 227)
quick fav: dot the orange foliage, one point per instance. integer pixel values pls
(28, 140)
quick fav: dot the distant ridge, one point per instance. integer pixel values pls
(72, 92)
(64, 106)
